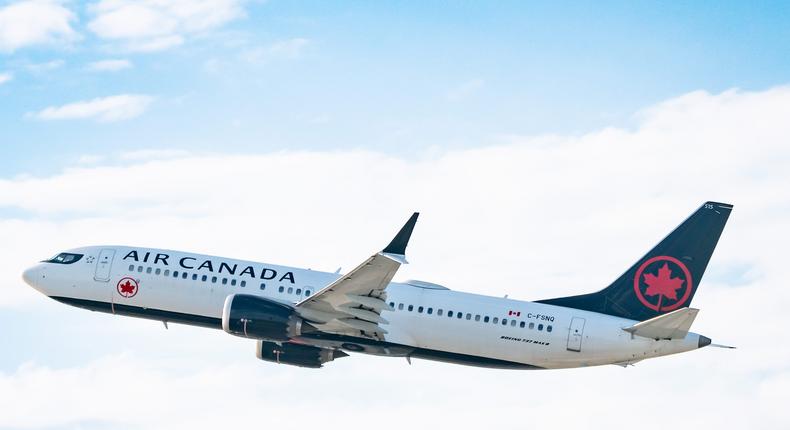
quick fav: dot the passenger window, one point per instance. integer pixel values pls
(140, 268)
(213, 279)
(307, 293)
(263, 285)
(485, 319)
(430, 311)
(419, 310)
(495, 320)
(243, 283)
(477, 317)
(148, 270)
(184, 275)
(411, 308)
(298, 291)
(194, 276)
(460, 315)
(439, 312)
(158, 271)
(204, 278)
(400, 306)
(131, 267)
(290, 290)
(540, 327)
(392, 305)
(167, 272)
(512, 323)
(548, 328)
(175, 273)
(232, 282)
(449, 314)
(224, 281)
(531, 326)
(468, 316)
(504, 321)
(281, 289)
(522, 324)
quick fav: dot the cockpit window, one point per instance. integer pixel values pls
(64, 258)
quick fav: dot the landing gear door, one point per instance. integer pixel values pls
(104, 265)
(575, 334)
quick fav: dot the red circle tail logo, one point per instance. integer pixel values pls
(663, 283)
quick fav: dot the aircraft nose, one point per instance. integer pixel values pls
(32, 276)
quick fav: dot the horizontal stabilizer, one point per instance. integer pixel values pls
(717, 345)
(674, 325)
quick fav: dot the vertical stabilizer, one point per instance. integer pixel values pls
(666, 278)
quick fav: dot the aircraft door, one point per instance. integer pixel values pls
(575, 334)
(103, 265)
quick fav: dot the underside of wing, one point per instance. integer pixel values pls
(352, 305)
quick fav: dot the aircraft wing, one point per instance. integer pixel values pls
(674, 325)
(352, 304)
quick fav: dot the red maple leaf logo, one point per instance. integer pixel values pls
(663, 284)
(127, 288)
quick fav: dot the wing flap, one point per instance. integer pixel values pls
(674, 325)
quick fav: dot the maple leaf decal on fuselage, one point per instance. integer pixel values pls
(127, 288)
(663, 284)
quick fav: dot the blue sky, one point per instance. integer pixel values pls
(399, 78)
(546, 145)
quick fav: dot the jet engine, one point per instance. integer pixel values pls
(296, 354)
(259, 318)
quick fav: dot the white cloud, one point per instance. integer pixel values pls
(90, 159)
(155, 25)
(102, 109)
(109, 65)
(45, 67)
(282, 49)
(155, 44)
(165, 393)
(465, 90)
(538, 217)
(152, 154)
(35, 22)
(6, 77)
(290, 48)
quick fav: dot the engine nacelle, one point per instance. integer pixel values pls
(296, 354)
(259, 318)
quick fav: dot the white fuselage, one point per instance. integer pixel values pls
(192, 288)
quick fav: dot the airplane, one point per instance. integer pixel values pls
(307, 318)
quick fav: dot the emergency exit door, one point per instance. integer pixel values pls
(104, 265)
(575, 334)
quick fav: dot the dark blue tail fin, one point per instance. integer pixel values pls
(667, 277)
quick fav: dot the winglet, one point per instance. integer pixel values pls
(398, 244)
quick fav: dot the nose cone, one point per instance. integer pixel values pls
(32, 276)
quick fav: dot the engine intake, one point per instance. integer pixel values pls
(259, 318)
(296, 354)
